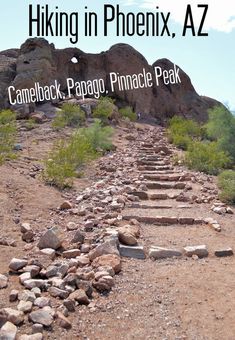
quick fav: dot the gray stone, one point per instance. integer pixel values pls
(37, 328)
(26, 295)
(41, 316)
(80, 296)
(56, 292)
(14, 316)
(200, 251)
(78, 237)
(224, 252)
(63, 321)
(32, 283)
(105, 283)
(24, 277)
(136, 252)
(49, 239)
(3, 281)
(163, 253)
(13, 295)
(49, 252)
(42, 302)
(69, 304)
(8, 331)
(25, 306)
(17, 264)
(108, 247)
(25, 227)
(69, 254)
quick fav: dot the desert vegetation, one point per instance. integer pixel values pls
(7, 135)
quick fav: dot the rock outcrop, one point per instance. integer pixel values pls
(39, 61)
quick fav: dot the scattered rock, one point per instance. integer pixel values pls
(113, 261)
(8, 331)
(41, 316)
(66, 205)
(3, 281)
(105, 283)
(25, 306)
(13, 295)
(71, 253)
(79, 296)
(108, 247)
(49, 240)
(63, 321)
(12, 315)
(17, 264)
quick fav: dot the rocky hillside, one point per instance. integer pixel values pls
(39, 61)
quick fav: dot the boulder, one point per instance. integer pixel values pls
(49, 239)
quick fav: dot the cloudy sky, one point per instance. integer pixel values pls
(209, 61)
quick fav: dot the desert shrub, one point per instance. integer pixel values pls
(206, 157)
(67, 159)
(221, 128)
(100, 137)
(7, 134)
(226, 183)
(181, 142)
(104, 109)
(70, 115)
(181, 131)
(127, 112)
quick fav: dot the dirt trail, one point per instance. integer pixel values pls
(173, 298)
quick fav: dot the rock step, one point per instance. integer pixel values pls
(162, 196)
(136, 252)
(167, 177)
(158, 172)
(143, 195)
(153, 163)
(147, 206)
(160, 185)
(154, 168)
(163, 253)
(150, 158)
(163, 220)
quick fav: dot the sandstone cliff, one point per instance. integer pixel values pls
(39, 61)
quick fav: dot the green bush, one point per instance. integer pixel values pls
(70, 115)
(127, 112)
(104, 109)
(206, 157)
(100, 137)
(226, 183)
(181, 142)
(8, 132)
(221, 128)
(66, 160)
(181, 131)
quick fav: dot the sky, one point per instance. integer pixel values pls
(209, 61)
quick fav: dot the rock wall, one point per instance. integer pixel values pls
(37, 60)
